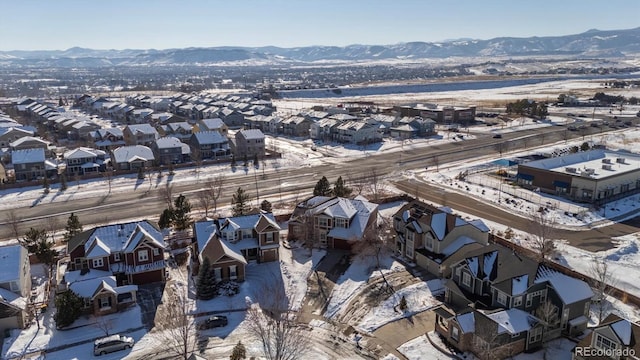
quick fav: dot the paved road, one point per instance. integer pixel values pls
(589, 239)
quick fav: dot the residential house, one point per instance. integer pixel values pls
(256, 236)
(431, 237)
(227, 261)
(495, 278)
(322, 129)
(11, 134)
(143, 134)
(357, 132)
(249, 144)
(232, 118)
(29, 142)
(107, 139)
(615, 336)
(132, 252)
(140, 116)
(28, 164)
(99, 291)
(164, 118)
(296, 126)
(82, 129)
(181, 130)
(333, 222)
(423, 126)
(15, 287)
(132, 157)
(215, 124)
(169, 150)
(209, 145)
(403, 131)
(84, 160)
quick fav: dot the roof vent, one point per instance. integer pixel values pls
(620, 160)
(606, 166)
(606, 161)
(570, 169)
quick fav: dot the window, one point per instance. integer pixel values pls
(455, 333)
(529, 297)
(247, 234)
(98, 263)
(341, 223)
(116, 256)
(269, 237)
(535, 335)
(143, 255)
(217, 273)
(105, 302)
(322, 222)
(156, 251)
(466, 279)
(502, 298)
(429, 241)
(604, 343)
(517, 301)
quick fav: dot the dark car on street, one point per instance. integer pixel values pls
(213, 322)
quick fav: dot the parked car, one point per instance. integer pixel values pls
(497, 136)
(213, 322)
(112, 343)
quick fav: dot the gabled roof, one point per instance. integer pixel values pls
(209, 137)
(358, 211)
(118, 237)
(569, 289)
(251, 134)
(27, 156)
(142, 128)
(512, 321)
(15, 129)
(249, 221)
(212, 124)
(127, 153)
(83, 152)
(10, 262)
(168, 142)
(25, 139)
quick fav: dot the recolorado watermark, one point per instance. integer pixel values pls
(597, 352)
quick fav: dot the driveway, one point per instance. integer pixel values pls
(149, 297)
(399, 332)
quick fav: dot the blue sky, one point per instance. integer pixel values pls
(162, 24)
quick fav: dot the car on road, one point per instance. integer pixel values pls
(497, 136)
(213, 322)
(112, 343)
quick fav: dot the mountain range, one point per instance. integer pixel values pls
(592, 43)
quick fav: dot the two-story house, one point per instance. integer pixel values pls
(249, 143)
(170, 150)
(227, 261)
(615, 336)
(142, 134)
(132, 252)
(496, 278)
(132, 157)
(99, 291)
(11, 134)
(15, 287)
(333, 222)
(256, 236)
(29, 142)
(181, 130)
(431, 237)
(215, 124)
(28, 164)
(296, 126)
(84, 160)
(209, 145)
(233, 118)
(107, 139)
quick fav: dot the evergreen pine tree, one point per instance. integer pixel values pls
(63, 182)
(166, 218)
(69, 308)
(205, 284)
(72, 228)
(240, 203)
(239, 352)
(323, 188)
(255, 159)
(339, 188)
(265, 205)
(403, 303)
(181, 210)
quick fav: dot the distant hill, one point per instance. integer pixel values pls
(592, 43)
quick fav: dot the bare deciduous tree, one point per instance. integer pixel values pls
(14, 222)
(103, 323)
(214, 187)
(167, 194)
(376, 241)
(548, 314)
(176, 325)
(53, 225)
(271, 322)
(374, 184)
(542, 228)
(603, 283)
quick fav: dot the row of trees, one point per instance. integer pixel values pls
(323, 188)
(528, 107)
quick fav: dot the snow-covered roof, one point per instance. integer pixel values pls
(168, 142)
(10, 258)
(489, 262)
(473, 265)
(87, 288)
(210, 137)
(569, 289)
(25, 139)
(124, 237)
(520, 284)
(126, 153)
(212, 124)
(623, 330)
(467, 322)
(358, 210)
(142, 128)
(96, 249)
(252, 134)
(83, 152)
(456, 244)
(439, 224)
(27, 156)
(513, 320)
(479, 224)
(13, 298)
(203, 231)
(248, 221)
(590, 163)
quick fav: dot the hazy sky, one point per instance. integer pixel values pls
(162, 24)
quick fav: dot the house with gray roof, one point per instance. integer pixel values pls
(249, 143)
(333, 222)
(28, 164)
(215, 124)
(99, 291)
(227, 260)
(84, 160)
(132, 157)
(169, 150)
(612, 334)
(132, 252)
(107, 139)
(11, 134)
(209, 145)
(29, 142)
(15, 287)
(142, 134)
(181, 130)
